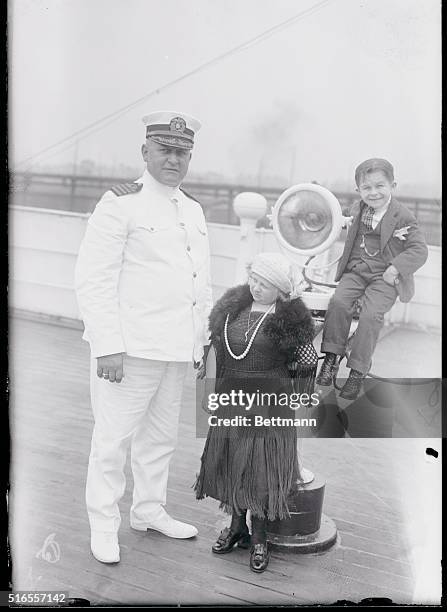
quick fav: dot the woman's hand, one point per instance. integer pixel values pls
(201, 371)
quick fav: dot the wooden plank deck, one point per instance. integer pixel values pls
(51, 425)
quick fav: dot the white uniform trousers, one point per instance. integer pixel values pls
(143, 411)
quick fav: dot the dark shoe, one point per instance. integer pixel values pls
(353, 385)
(228, 540)
(259, 557)
(327, 370)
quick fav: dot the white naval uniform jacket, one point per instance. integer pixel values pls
(143, 275)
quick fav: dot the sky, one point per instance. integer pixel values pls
(349, 80)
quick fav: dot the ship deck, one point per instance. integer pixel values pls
(370, 494)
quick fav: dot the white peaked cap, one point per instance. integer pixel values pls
(172, 128)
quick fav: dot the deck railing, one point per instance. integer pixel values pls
(77, 193)
(44, 244)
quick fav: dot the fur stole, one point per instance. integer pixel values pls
(290, 325)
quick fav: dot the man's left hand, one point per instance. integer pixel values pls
(390, 275)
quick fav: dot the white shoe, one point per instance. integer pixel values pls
(105, 547)
(166, 525)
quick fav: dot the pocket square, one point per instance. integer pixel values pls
(401, 232)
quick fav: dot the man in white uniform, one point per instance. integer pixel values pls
(143, 287)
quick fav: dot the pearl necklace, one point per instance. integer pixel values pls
(245, 353)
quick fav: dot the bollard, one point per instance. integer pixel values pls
(307, 530)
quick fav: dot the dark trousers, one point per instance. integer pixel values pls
(378, 298)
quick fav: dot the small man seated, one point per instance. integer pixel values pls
(383, 249)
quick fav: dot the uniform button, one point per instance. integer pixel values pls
(188, 248)
(182, 224)
(174, 200)
(152, 229)
(194, 274)
(194, 303)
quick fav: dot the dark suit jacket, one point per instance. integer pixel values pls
(406, 255)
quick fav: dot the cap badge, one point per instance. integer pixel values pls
(177, 124)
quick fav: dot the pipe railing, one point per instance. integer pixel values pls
(80, 193)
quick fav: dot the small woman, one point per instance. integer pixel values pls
(258, 333)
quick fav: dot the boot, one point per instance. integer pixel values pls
(236, 534)
(353, 385)
(326, 373)
(259, 553)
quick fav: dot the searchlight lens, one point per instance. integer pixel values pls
(305, 219)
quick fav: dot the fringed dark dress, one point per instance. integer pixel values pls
(247, 467)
